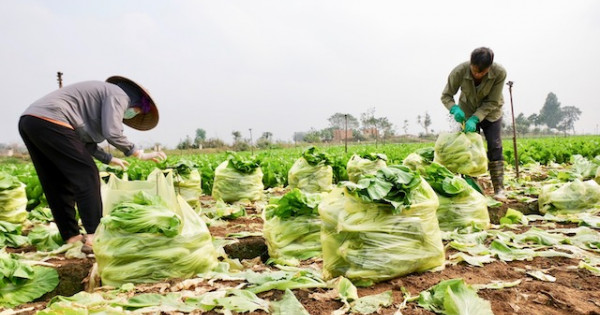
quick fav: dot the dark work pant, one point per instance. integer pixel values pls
(492, 132)
(67, 173)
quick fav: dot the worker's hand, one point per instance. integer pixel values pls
(118, 162)
(471, 125)
(458, 113)
(154, 156)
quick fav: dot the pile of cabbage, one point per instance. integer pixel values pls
(461, 153)
(418, 160)
(381, 227)
(586, 169)
(148, 234)
(238, 179)
(576, 196)
(311, 173)
(187, 181)
(292, 227)
(461, 206)
(365, 164)
(13, 199)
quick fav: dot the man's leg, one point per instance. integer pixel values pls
(493, 137)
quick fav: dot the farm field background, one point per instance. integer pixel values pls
(524, 283)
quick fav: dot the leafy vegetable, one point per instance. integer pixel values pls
(288, 305)
(147, 240)
(45, 237)
(576, 196)
(315, 157)
(10, 235)
(21, 283)
(231, 184)
(365, 164)
(311, 173)
(452, 297)
(241, 164)
(13, 199)
(366, 240)
(146, 214)
(390, 185)
(461, 153)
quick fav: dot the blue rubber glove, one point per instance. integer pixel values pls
(458, 113)
(471, 125)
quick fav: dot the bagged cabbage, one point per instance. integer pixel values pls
(576, 196)
(292, 227)
(461, 153)
(587, 169)
(460, 206)
(187, 182)
(238, 179)
(311, 173)
(380, 228)
(364, 164)
(13, 199)
(418, 160)
(150, 234)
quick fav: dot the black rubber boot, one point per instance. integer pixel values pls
(497, 175)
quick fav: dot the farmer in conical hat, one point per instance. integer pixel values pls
(61, 132)
(479, 106)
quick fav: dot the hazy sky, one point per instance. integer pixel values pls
(286, 66)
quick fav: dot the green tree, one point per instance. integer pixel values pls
(237, 136)
(200, 136)
(551, 113)
(570, 114)
(338, 121)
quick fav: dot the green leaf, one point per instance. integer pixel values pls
(454, 297)
(42, 281)
(371, 303)
(288, 305)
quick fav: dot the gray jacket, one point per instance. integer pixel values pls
(95, 111)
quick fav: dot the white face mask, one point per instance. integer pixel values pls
(130, 113)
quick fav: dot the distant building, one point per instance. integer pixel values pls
(370, 132)
(341, 135)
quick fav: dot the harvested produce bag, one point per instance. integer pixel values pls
(148, 234)
(311, 173)
(292, 227)
(418, 160)
(238, 179)
(576, 196)
(13, 199)
(461, 153)
(382, 227)
(365, 164)
(187, 182)
(460, 206)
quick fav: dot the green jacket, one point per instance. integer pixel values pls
(484, 101)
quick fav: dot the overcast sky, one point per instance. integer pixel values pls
(286, 66)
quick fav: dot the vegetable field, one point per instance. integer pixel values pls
(376, 230)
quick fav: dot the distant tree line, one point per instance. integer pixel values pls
(552, 118)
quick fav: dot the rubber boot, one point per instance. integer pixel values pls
(497, 175)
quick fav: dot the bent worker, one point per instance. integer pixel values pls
(61, 132)
(479, 106)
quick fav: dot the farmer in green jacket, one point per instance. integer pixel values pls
(479, 106)
(61, 132)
